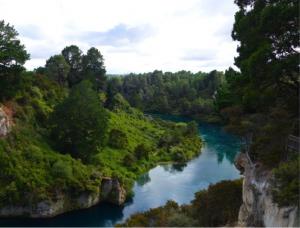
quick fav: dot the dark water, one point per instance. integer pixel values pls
(153, 189)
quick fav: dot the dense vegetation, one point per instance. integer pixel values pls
(63, 140)
(218, 205)
(261, 102)
(181, 93)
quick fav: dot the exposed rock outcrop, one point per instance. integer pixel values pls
(257, 208)
(5, 124)
(110, 191)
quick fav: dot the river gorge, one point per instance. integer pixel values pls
(178, 182)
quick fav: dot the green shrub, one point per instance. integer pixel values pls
(61, 169)
(178, 155)
(129, 160)
(285, 184)
(34, 153)
(180, 220)
(219, 204)
(142, 151)
(117, 139)
(36, 93)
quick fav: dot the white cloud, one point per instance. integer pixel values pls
(132, 35)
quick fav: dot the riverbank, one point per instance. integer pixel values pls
(153, 188)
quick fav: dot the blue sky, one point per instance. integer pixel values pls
(133, 35)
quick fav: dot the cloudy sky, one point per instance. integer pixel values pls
(133, 35)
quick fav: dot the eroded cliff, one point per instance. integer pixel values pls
(5, 124)
(110, 191)
(257, 208)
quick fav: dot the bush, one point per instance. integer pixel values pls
(61, 169)
(34, 153)
(180, 220)
(142, 151)
(178, 155)
(219, 204)
(129, 160)
(285, 184)
(117, 139)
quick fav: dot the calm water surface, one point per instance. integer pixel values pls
(154, 188)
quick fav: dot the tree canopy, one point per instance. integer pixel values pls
(268, 56)
(12, 58)
(57, 69)
(80, 122)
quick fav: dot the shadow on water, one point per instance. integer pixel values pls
(144, 179)
(104, 214)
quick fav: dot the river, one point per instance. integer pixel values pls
(154, 188)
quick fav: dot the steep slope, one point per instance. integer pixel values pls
(257, 208)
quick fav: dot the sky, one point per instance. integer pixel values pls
(134, 36)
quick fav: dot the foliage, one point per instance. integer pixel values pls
(62, 170)
(219, 204)
(285, 184)
(49, 117)
(192, 128)
(181, 220)
(73, 57)
(79, 122)
(216, 206)
(142, 151)
(110, 95)
(269, 60)
(57, 69)
(180, 93)
(117, 139)
(178, 155)
(72, 67)
(12, 58)
(267, 86)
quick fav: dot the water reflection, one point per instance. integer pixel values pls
(144, 179)
(174, 168)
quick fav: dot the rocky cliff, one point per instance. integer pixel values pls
(257, 208)
(110, 191)
(5, 124)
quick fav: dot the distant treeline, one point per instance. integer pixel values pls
(181, 93)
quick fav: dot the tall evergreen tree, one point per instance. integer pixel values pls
(110, 95)
(12, 58)
(57, 69)
(79, 123)
(73, 57)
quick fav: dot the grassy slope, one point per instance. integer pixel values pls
(31, 169)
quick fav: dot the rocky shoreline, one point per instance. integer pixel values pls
(110, 191)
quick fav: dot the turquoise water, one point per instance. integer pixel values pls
(154, 188)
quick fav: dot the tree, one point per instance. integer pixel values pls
(57, 69)
(110, 95)
(142, 151)
(12, 58)
(93, 68)
(79, 123)
(268, 55)
(219, 204)
(285, 184)
(117, 139)
(135, 102)
(73, 57)
(181, 220)
(192, 128)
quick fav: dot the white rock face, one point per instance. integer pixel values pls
(4, 123)
(257, 208)
(110, 191)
